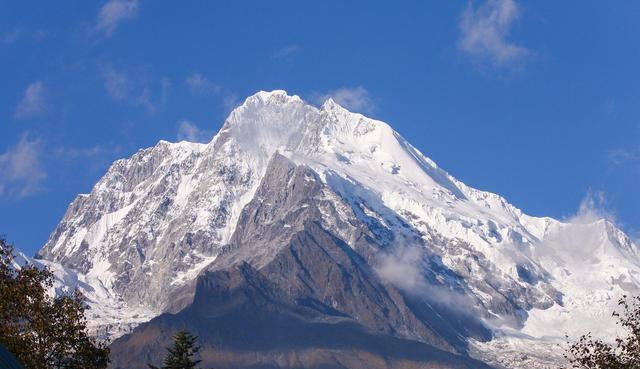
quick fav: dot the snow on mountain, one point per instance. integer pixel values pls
(108, 315)
(154, 221)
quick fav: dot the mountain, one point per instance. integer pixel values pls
(306, 237)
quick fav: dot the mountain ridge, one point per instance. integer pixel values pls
(156, 221)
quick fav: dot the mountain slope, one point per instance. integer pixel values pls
(156, 221)
(287, 292)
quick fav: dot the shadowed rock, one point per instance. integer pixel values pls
(288, 292)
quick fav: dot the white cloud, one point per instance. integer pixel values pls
(33, 101)
(355, 99)
(285, 52)
(188, 131)
(593, 208)
(21, 172)
(115, 12)
(198, 84)
(405, 267)
(484, 32)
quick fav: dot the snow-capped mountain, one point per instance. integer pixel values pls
(143, 242)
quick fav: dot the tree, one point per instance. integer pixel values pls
(622, 353)
(180, 354)
(41, 331)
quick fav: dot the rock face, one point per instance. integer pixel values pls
(306, 237)
(288, 292)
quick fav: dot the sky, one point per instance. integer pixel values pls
(536, 101)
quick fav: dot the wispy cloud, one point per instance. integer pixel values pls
(629, 159)
(154, 99)
(39, 35)
(16, 34)
(230, 101)
(406, 266)
(165, 91)
(33, 101)
(403, 268)
(113, 13)
(593, 208)
(625, 156)
(484, 31)
(91, 158)
(73, 153)
(188, 131)
(21, 171)
(116, 83)
(199, 84)
(151, 95)
(355, 99)
(9, 37)
(285, 52)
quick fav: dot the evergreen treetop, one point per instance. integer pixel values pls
(180, 355)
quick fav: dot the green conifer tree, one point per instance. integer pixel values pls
(181, 353)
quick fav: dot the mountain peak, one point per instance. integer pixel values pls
(330, 104)
(257, 107)
(274, 96)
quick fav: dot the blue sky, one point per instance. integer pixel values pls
(537, 101)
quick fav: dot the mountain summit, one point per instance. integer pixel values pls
(317, 237)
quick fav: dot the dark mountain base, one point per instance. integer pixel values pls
(247, 338)
(244, 320)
